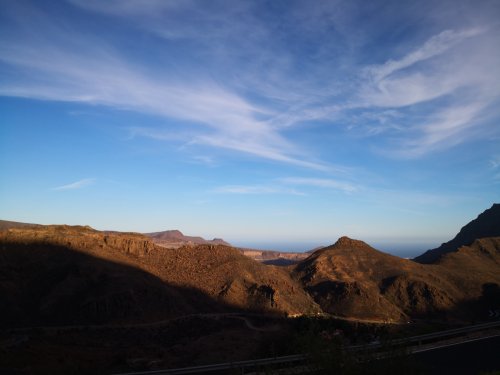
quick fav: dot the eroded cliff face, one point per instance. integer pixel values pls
(80, 238)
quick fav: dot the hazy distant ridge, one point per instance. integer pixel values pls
(175, 238)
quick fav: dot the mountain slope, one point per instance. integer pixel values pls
(487, 224)
(76, 275)
(472, 267)
(352, 279)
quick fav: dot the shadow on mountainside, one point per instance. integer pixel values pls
(65, 311)
(47, 284)
(485, 307)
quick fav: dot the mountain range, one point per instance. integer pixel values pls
(77, 300)
(94, 276)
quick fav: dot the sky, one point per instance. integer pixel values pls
(279, 124)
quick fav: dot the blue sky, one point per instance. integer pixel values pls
(262, 122)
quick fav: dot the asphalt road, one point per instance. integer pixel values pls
(468, 358)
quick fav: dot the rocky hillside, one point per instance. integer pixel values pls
(62, 274)
(73, 275)
(487, 224)
(472, 268)
(352, 279)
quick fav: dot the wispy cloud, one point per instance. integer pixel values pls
(424, 74)
(289, 185)
(495, 162)
(251, 90)
(64, 65)
(346, 187)
(262, 148)
(439, 90)
(204, 160)
(76, 185)
(255, 189)
(436, 45)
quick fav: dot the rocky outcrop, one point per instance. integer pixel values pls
(135, 246)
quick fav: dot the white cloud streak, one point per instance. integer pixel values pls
(435, 46)
(343, 186)
(394, 84)
(71, 68)
(453, 74)
(76, 185)
(288, 185)
(255, 190)
(495, 162)
(450, 127)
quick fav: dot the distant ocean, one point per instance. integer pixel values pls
(405, 250)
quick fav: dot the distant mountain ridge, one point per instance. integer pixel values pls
(487, 224)
(6, 224)
(175, 238)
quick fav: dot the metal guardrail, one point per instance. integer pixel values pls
(224, 366)
(430, 336)
(301, 357)
(451, 332)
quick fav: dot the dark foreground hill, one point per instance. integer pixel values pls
(487, 224)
